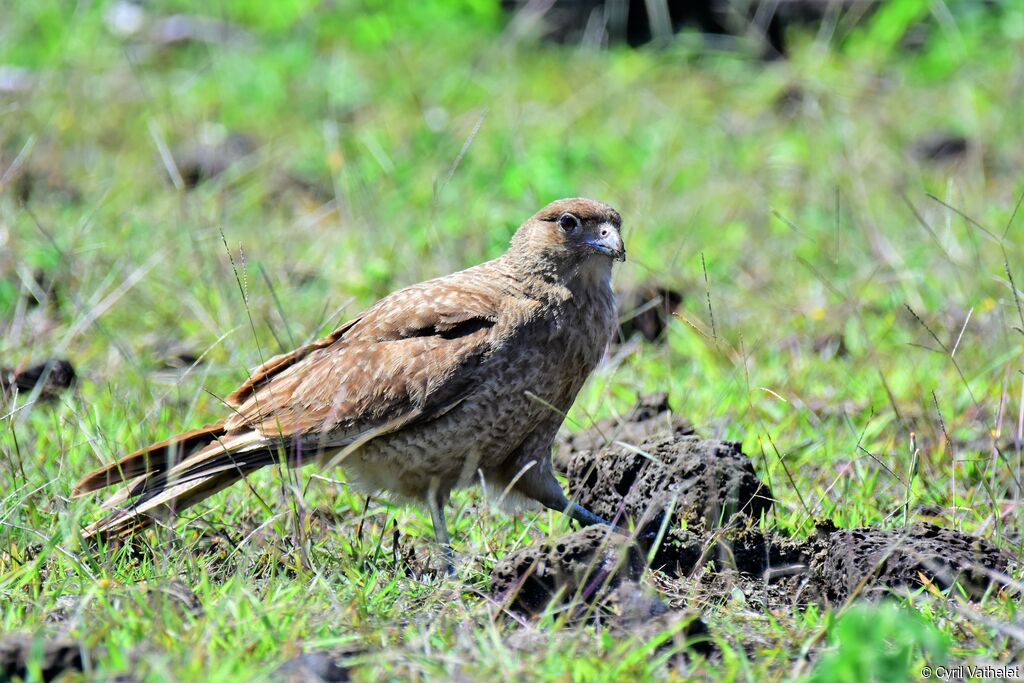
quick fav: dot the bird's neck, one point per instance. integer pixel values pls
(594, 274)
(548, 280)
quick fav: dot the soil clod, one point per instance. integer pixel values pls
(853, 562)
(50, 378)
(941, 147)
(647, 311)
(693, 479)
(651, 415)
(204, 161)
(636, 611)
(55, 656)
(312, 667)
(578, 569)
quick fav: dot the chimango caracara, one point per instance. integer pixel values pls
(439, 385)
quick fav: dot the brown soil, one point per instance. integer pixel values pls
(57, 655)
(835, 565)
(580, 568)
(651, 416)
(852, 562)
(693, 479)
(50, 377)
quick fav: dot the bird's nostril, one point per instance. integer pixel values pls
(604, 232)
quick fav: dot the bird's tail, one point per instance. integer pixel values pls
(165, 478)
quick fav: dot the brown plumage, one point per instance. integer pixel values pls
(434, 387)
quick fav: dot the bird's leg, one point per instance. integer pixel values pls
(540, 484)
(584, 516)
(436, 506)
(548, 493)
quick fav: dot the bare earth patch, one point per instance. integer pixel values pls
(696, 505)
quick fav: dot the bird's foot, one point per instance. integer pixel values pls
(440, 564)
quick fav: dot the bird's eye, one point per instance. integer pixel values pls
(568, 222)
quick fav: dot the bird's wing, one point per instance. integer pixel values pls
(264, 373)
(411, 357)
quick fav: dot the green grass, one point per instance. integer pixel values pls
(428, 135)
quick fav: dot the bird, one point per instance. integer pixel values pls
(457, 380)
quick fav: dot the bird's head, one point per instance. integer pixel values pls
(570, 233)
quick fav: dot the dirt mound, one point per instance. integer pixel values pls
(652, 415)
(701, 502)
(771, 571)
(852, 562)
(697, 480)
(578, 569)
(647, 310)
(49, 379)
(56, 655)
(312, 667)
(714, 498)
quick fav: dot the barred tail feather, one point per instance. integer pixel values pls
(154, 458)
(163, 504)
(161, 485)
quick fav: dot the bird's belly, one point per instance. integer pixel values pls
(477, 436)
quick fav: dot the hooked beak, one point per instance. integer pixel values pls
(608, 241)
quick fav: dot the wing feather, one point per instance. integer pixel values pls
(266, 372)
(409, 358)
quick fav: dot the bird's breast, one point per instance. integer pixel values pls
(568, 340)
(534, 370)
